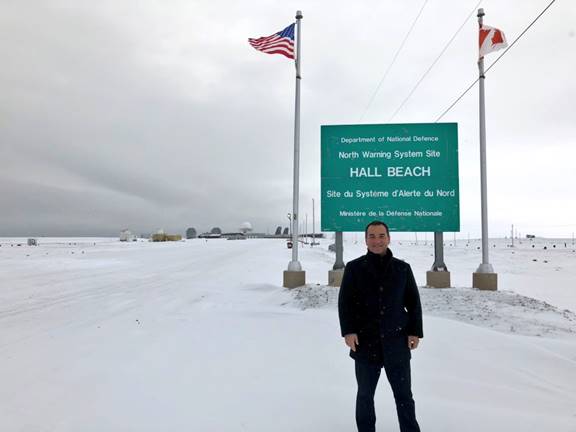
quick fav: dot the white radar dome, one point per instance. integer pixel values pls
(245, 227)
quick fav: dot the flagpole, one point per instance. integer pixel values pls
(484, 278)
(294, 276)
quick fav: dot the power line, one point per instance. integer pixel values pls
(495, 61)
(435, 61)
(393, 61)
(457, 100)
(521, 34)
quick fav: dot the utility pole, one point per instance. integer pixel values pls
(512, 235)
(313, 225)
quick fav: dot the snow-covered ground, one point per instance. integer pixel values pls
(98, 335)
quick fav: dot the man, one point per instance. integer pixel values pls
(381, 322)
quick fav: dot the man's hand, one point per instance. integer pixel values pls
(351, 340)
(413, 342)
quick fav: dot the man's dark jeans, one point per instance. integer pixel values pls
(399, 378)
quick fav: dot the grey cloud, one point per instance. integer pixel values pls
(144, 115)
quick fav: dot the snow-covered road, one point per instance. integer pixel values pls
(98, 335)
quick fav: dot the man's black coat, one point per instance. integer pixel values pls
(379, 301)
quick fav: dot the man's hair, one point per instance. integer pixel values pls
(374, 223)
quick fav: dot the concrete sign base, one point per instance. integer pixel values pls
(335, 278)
(438, 279)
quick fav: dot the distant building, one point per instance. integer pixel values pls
(126, 235)
(163, 237)
(210, 236)
(234, 236)
(246, 227)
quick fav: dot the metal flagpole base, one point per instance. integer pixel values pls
(335, 277)
(294, 279)
(294, 266)
(485, 268)
(438, 279)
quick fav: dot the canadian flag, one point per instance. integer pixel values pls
(491, 39)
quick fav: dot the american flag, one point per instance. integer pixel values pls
(279, 43)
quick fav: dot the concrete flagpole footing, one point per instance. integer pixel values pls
(485, 281)
(438, 279)
(294, 279)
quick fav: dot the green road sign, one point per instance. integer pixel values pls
(403, 174)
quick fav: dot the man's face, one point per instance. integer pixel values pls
(377, 239)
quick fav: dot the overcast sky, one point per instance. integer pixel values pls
(146, 114)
